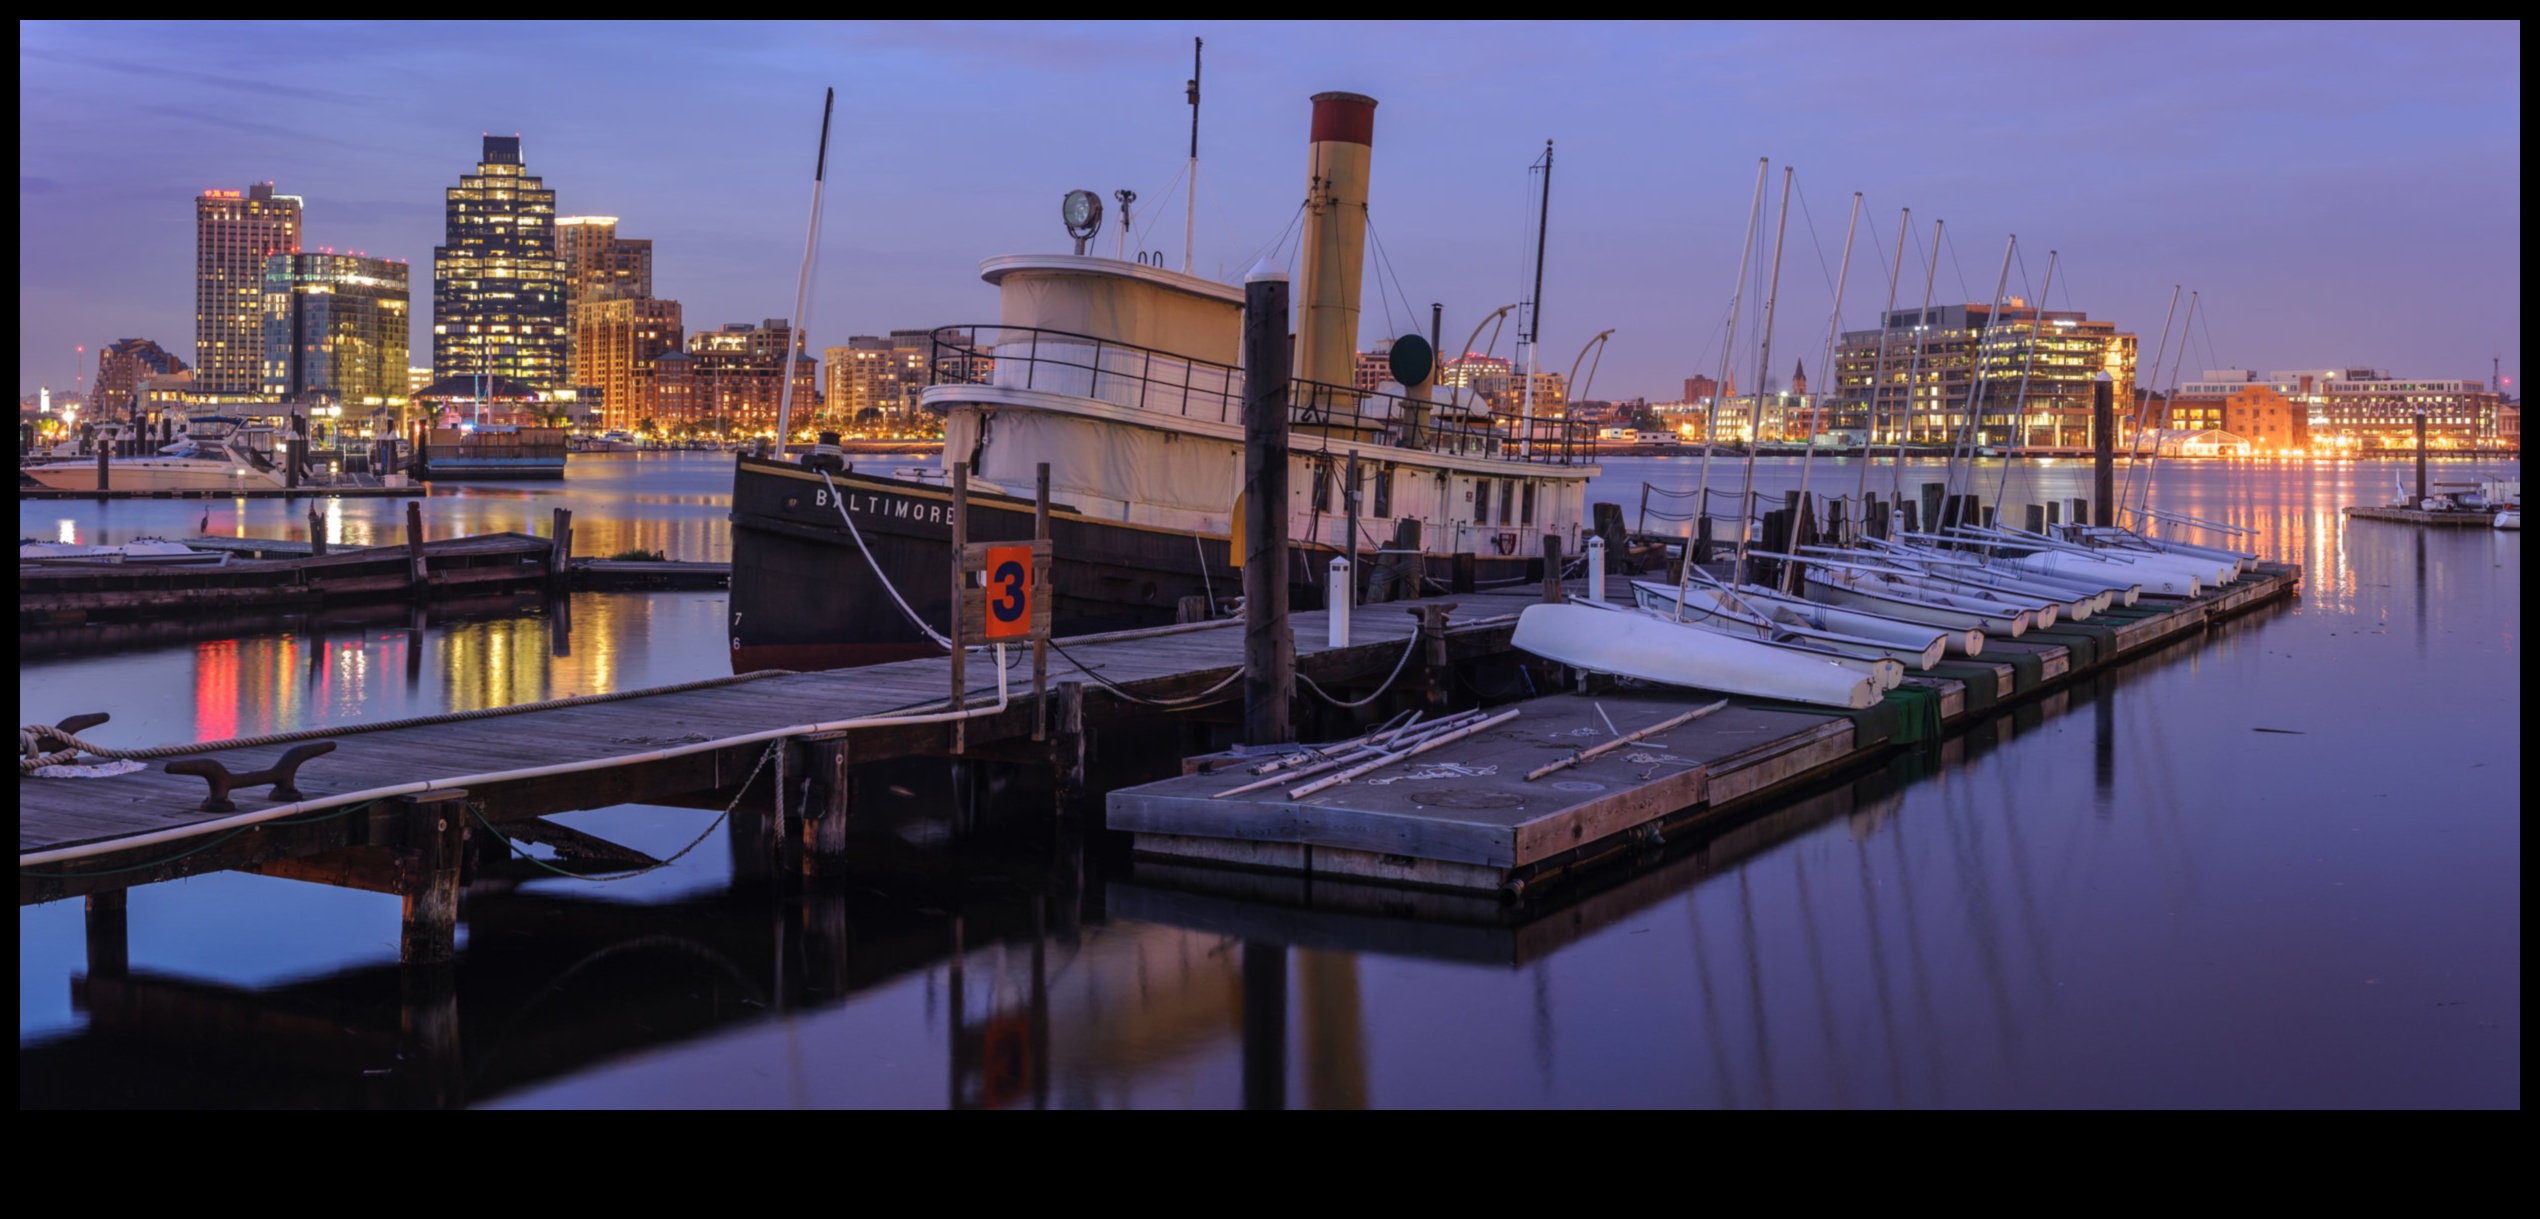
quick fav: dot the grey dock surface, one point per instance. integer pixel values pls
(1462, 817)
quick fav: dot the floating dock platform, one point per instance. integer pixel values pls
(1463, 817)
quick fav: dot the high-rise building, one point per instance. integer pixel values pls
(619, 341)
(337, 325)
(233, 232)
(2036, 369)
(860, 377)
(124, 364)
(740, 372)
(598, 264)
(498, 284)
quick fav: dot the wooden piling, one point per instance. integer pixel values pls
(434, 826)
(1552, 569)
(103, 483)
(1070, 745)
(1041, 588)
(317, 532)
(2103, 448)
(960, 578)
(1269, 651)
(417, 579)
(2080, 514)
(560, 552)
(1932, 493)
(823, 764)
(2036, 518)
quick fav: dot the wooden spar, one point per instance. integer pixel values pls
(1620, 741)
(1303, 756)
(1389, 759)
(1357, 753)
(960, 581)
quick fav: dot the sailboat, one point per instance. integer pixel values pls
(1910, 644)
(1604, 639)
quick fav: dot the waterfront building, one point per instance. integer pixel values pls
(2036, 367)
(2356, 408)
(416, 378)
(619, 341)
(740, 373)
(676, 409)
(498, 286)
(233, 232)
(861, 377)
(336, 325)
(124, 364)
(598, 264)
(1500, 386)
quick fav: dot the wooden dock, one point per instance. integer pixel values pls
(1463, 817)
(69, 593)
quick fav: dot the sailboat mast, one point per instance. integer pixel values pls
(1190, 199)
(1763, 363)
(1969, 433)
(1534, 308)
(2143, 405)
(1728, 358)
(2186, 327)
(1878, 366)
(1834, 326)
(802, 289)
(2019, 401)
(1914, 367)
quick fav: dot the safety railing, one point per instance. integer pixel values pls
(1146, 379)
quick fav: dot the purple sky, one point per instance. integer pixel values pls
(2343, 195)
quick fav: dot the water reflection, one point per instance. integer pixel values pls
(2123, 894)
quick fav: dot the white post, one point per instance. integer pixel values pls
(1341, 596)
(1596, 568)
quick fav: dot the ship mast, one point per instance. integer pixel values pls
(1190, 201)
(802, 289)
(1534, 309)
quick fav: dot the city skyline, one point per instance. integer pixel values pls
(2295, 197)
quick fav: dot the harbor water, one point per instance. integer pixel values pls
(2275, 865)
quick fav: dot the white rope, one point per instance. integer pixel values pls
(1123, 692)
(839, 501)
(1398, 666)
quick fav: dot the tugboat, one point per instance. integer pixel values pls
(1124, 378)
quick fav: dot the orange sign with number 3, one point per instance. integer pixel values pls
(1009, 571)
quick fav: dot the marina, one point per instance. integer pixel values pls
(1051, 666)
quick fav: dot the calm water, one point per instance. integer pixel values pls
(2125, 895)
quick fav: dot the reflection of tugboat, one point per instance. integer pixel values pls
(1122, 377)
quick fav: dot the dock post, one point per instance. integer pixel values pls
(824, 807)
(1552, 569)
(2103, 448)
(2054, 512)
(434, 822)
(1932, 493)
(1071, 737)
(1596, 569)
(294, 451)
(416, 578)
(317, 532)
(109, 935)
(1269, 651)
(2418, 502)
(560, 552)
(1341, 588)
(2037, 518)
(1349, 504)
(2080, 514)
(1433, 630)
(102, 481)
(960, 542)
(1041, 588)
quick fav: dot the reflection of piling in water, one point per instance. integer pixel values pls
(1335, 1035)
(1265, 1025)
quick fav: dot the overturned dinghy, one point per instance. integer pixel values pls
(1913, 646)
(1653, 649)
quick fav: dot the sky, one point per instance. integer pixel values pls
(2338, 195)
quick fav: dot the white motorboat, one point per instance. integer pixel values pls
(222, 463)
(2509, 519)
(1912, 646)
(1634, 644)
(1865, 590)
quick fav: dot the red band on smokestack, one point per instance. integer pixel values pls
(1348, 118)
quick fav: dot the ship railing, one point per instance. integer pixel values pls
(1148, 379)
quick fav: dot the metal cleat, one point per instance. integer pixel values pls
(280, 774)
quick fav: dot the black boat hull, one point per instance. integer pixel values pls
(805, 597)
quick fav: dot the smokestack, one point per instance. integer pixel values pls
(1335, 242)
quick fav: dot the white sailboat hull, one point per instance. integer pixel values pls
(2160, 580)
(1641, 646)
(1919, 605)
(1904, 643)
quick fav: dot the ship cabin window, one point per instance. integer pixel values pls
(1481, 501)
(1507, 498)
(1322, 486)
(1526, 505)
(1384, 490)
